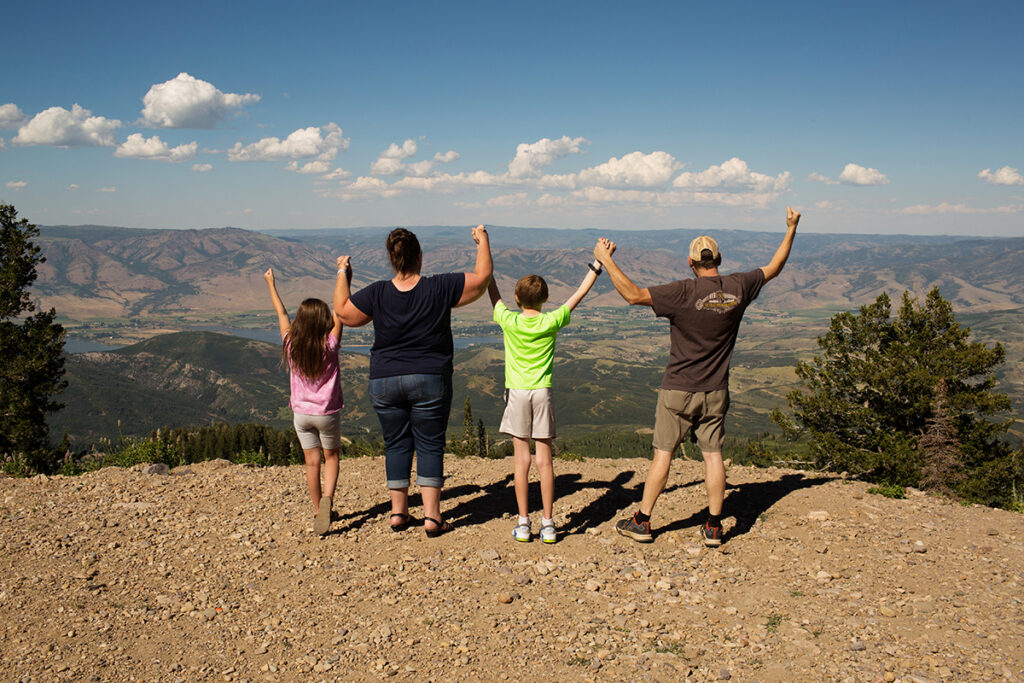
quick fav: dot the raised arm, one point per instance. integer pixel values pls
(284, 323)
(626, 288)
(492, 291)
(476, 282)
(782, 253)
(588, 281)
(344, 310)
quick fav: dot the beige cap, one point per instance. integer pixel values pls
(700, 244)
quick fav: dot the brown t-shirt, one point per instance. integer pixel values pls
(705, 315)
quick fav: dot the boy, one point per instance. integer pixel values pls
(529, 357)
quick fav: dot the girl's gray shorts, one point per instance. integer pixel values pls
(319, 431)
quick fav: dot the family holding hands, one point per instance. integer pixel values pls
(411, 368)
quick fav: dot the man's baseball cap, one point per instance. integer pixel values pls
(700, 244)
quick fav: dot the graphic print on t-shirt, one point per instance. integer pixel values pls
(719, 302)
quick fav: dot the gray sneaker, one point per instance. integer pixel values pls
(547, 533)
(638, 531)
(522, 533)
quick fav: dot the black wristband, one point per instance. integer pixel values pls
(595, 268)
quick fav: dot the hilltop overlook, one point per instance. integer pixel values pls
(213, 573)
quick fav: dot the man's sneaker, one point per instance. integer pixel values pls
(547, 533)
(712, 535)
(521, 533)
(638, 531)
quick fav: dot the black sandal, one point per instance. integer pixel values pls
(441, 527)
(404, 524)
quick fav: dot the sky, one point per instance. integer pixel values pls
(868, 117)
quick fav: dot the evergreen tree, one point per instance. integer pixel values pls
(31, 346)
(905, 400)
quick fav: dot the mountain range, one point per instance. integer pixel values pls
(97, 272)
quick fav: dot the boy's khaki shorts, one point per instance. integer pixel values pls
(680, 411)
(528, 413)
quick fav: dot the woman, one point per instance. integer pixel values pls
(411, 364)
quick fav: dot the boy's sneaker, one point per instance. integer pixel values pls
(712, 535)
(638, 531)
(547, 533)
(521, 533)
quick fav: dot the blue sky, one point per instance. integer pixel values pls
(869, 117)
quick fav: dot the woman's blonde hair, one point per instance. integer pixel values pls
(306, 342)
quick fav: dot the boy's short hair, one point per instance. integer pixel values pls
(531, 291)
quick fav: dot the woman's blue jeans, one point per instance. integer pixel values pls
(413, 412)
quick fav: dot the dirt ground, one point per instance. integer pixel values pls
(212, 572)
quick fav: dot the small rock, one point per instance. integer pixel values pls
(504, 598)
(993, 532)
(209, 613)
(489, 555)
(858, 646)
(919, 547)
(541, 569)
(156, 468)
(887, 611)
(592, 585)
(724, 675)
(818, 515)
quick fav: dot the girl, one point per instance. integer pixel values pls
(309, 346)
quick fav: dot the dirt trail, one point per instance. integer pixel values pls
(212, 573)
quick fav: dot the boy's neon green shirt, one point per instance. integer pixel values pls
(529, 345)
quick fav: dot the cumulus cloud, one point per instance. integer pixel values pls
(202, 168)
(391, 161)
(819, 178)
(139, 147)
(59, 127)
(317, 166)
(447, 158)
(73, 187)
(532, 157)
(733, 176)
(188, 102)
(510, 200)
(858, 175)
(16, 184)
(11, 117)
(110, 189)
(1007, 175)
(336, 174)
(322, 143)
(632, 170)
(3, 144)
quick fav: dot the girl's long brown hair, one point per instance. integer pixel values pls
(304, 346)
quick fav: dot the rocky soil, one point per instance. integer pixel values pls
(212, 572)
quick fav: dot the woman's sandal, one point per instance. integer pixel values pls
(404, 524)
(440, 527)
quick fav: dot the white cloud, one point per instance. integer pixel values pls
(635, 169)
(72, 187)
(336, 174)
(188, 102)
(317, 166)
(819, 178)
(826, 205)
(17, 184)
(390, 161)
(202, 168)
(447, 158)
(510, 200)
(733, 176)
(106, 189)
(3, 144)
(322, 143)
(531, 157)
(858, 175)
(11, 117)
(59, 127)
(962, 208)
(139, 147)
(1007, 175)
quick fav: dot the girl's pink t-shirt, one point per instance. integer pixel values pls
(320, 396)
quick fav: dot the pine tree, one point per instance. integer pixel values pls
(31, 346)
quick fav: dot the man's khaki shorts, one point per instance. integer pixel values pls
(680, 411)
(528, 413)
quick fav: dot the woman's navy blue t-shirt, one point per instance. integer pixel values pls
(412, 331)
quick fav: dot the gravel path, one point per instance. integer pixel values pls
(212, 572)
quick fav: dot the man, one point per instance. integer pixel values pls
(705, 315)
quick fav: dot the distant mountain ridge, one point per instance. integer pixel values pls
(97, 272)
